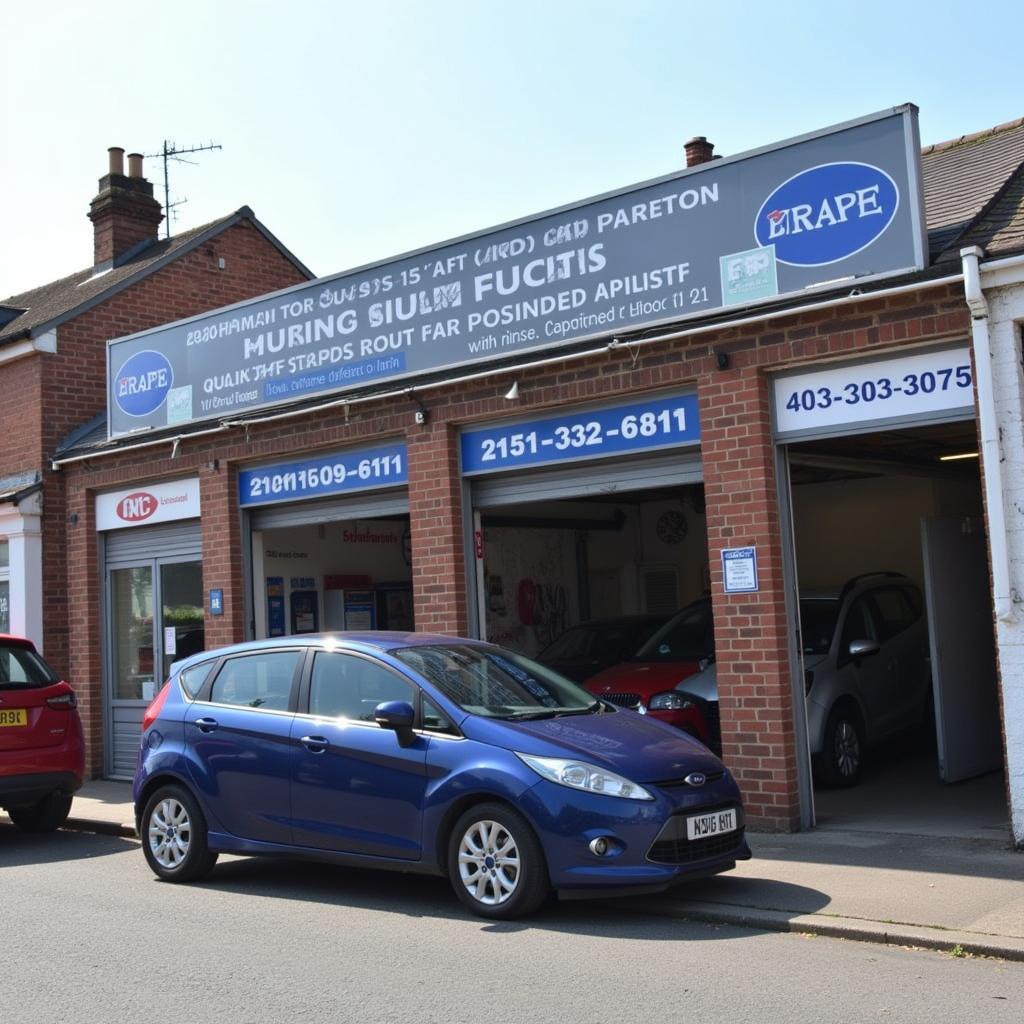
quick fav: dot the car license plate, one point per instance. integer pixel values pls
(13, 716)
(700, 826)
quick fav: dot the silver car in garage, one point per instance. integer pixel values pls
(866, 668)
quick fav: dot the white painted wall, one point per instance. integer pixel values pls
(21, 525)
(1006, 313)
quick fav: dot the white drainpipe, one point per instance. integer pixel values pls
(988, 430)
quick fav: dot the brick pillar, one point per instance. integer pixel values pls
(435, 510)
(84, 582)
(751, 648)
(222, 553)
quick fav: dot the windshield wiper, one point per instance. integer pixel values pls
(533, 716)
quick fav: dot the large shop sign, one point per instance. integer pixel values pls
(837, 205)
(144, 506)
(918, 387)
(664, 422)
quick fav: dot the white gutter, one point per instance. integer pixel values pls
(40, 343)
(856, 295)
(988, 430)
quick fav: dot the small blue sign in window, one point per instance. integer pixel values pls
(217, 602)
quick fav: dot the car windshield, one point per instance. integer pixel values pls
(496, 683)
(686, 636)
(817, 624)
(21, 668)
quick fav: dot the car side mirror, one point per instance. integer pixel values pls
(863, 648)
(397, 715)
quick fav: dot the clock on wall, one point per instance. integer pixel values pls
(672, 528)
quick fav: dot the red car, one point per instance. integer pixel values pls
(42, 751)
(646, 682)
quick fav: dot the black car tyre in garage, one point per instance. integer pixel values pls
(842, 752)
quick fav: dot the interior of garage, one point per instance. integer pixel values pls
(551, 565)
(344, 574)
(886, 506)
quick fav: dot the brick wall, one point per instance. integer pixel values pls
(738, 466)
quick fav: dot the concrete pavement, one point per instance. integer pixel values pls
(963, 894)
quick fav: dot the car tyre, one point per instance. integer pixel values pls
(495, 863)
(46, 816)
(174, 836)
(842, 752)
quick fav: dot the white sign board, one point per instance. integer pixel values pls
(739, 570)
(924, 384)
(142, 506)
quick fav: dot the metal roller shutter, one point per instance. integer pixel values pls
(166, 540)
(606, 477)
(374, 506)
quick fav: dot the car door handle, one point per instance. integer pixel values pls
(207, 724)
(315, 744)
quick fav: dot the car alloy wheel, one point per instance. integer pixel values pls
(842, 750)
(847, 750)
(174, 838)
(496, 864)
(489, 863)
(170, 833)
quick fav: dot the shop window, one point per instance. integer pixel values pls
(346, 687)
(257, 680)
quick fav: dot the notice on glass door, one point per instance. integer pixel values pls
(170, 641)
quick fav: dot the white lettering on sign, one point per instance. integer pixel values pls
(154, 503)
(925, 383)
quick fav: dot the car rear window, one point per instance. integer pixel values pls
(21, 668)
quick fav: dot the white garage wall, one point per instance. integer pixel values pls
(847, 527)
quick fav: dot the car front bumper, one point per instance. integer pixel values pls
(567, 821)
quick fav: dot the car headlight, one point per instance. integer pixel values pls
(671, 700)
(588, 777)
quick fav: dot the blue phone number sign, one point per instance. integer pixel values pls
(614, 430)
(339, 473)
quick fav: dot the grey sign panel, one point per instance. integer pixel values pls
(844, 203)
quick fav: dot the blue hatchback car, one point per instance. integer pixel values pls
(428, 754)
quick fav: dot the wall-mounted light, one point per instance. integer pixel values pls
(722, 359)
(957, 458)
(513, 392)
(420, 415)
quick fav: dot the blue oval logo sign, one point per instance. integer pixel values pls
(827, 213)
(142, 383)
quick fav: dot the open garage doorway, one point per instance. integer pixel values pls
(896, 632)
(609, 589)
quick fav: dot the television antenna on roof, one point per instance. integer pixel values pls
(169, 152)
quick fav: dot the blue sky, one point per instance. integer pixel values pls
(357, 131)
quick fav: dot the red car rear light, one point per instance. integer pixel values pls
(62, 702)
(154, 709)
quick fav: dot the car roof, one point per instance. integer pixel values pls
(374, 640)
(10, 638)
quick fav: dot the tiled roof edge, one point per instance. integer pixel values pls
(938, 147)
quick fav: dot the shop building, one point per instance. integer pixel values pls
(741, 435)
(52, 365)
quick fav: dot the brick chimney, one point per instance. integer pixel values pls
(124, 213)
(698, 151)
